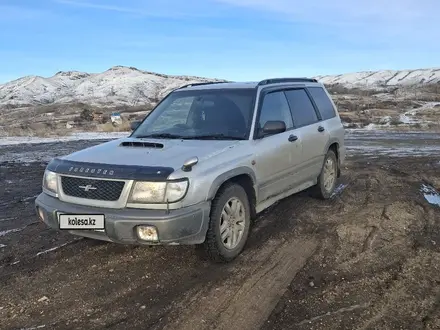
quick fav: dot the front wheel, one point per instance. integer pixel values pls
(327, 179)
(229, 224)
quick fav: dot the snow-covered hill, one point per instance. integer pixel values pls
(384, 78)
(129, 86)
(117, 86)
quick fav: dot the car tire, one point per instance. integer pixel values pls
(324, 189)
(220, 249)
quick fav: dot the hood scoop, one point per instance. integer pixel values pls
(141, 144)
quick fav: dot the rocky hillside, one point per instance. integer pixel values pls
(127, 86)
(117, 86)
(384, 78)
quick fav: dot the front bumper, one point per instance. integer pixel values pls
(183, 226)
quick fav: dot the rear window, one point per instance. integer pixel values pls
(323, 103)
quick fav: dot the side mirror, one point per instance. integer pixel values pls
(274, 127)
(134, 125)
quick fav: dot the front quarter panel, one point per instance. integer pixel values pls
(207, 176)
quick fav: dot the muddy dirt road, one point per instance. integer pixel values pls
(367, 259)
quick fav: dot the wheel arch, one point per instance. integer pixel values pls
(245, 177)
(333, 144)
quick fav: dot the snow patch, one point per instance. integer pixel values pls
(9, 231)
(408, 116)
(73, 137)
(401, 151)
(25, 199)
(370, 127)
(52, 249)
(431, 194)
(34, 328)
(385, 120)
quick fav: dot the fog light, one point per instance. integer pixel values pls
(147, 233)
(41, 214)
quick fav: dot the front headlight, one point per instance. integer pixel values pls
(50, 182)
(158, 192)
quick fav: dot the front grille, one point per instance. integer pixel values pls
(103, 190)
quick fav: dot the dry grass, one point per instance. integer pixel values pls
(33, 131)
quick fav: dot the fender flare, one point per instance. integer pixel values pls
(329, 143)
(222, 178)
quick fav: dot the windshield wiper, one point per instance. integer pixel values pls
(160, 136)
(214, 137)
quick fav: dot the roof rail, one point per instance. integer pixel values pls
(285, 80)
(201, 84)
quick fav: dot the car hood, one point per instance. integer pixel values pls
(173, 153)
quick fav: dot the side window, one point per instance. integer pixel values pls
(275, 107)
(302, 108)
(322, 102)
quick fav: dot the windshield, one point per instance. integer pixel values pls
(204, 114)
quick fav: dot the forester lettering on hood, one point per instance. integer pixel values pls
(96, 170)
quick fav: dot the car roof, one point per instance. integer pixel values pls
(222, 85)
(251, 84)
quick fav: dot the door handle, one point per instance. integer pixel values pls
(293, 138)
(321, 129)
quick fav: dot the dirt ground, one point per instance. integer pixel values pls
(369, 258)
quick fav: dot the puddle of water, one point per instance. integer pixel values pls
(431, 194)
(339, 189)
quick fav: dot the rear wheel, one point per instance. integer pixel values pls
(327, 179)
(229, 224)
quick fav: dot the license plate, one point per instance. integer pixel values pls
(82, 221)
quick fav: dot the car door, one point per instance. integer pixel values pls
(310, 132)
(275, 155)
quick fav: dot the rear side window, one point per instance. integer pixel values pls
(322, 102)
(303, 111)
(275, 107)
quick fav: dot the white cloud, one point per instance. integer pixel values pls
(415, 20)
(162, 8)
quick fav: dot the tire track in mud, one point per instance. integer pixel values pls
(250, 299)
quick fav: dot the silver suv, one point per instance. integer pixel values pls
(200, 167)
